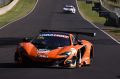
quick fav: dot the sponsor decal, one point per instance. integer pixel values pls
(42, 56)
(43, 50)
(73, 50)
(43, 53)
(55, 35)
(40, 37)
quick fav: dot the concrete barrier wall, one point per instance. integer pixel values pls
(7, 8)
(114, 13)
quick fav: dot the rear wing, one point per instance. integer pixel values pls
(72, 32)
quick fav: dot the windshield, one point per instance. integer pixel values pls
(51, 41)
(69, 7)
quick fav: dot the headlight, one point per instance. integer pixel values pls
(66, 53)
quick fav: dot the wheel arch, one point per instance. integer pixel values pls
(91, 52)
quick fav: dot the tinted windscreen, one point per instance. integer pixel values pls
(51, 41)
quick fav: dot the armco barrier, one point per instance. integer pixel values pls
(7, 8)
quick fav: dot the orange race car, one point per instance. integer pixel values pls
(57, 48)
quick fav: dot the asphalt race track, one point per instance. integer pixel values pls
(48, 15)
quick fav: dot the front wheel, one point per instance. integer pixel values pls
(17, 58)
(73, 63)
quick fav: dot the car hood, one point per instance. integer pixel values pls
(45, 53)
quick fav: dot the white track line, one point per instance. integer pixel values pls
(19, 18)
(96, 26)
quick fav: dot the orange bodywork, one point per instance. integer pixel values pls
(37, 55)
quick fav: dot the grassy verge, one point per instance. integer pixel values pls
(21, 9)
(115, 31)
(93, 16)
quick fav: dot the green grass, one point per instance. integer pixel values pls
(93, 16)
(115, 31)
(21, 9)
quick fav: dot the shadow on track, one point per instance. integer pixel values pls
(63, 13)
(10, 41)
(13, 65)
(108, 42)
(118, 76)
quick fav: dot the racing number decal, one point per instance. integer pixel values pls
(42, 56)
(73, 50)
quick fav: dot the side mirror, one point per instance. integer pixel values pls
(75, 43)
(80, 42)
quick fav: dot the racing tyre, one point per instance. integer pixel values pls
(91, 55)
(73, 63)
(79, 57)
(21, 58)
(17, 58)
